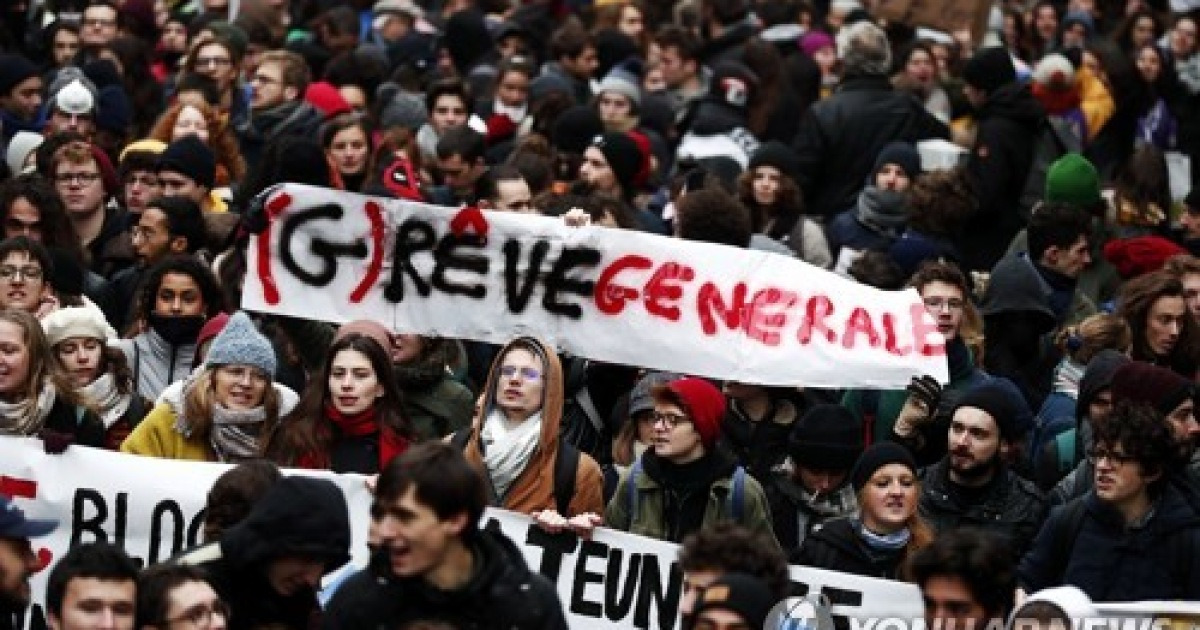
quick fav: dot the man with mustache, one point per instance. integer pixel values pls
(972, 485)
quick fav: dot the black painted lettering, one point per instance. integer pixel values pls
(447, 258)
(85, 497)
(666, 601)
(559, 282)
(193, 532)
(122, 517)
(518, 296)
(413, 236)
(580, 606)
(617, 600)
(156, 525)
(554, 547)
(325, 250)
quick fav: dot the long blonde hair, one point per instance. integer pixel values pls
(200, 399)
(42, 366)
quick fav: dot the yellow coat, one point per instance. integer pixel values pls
(157, 436)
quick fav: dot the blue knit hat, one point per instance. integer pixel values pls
(241, 344)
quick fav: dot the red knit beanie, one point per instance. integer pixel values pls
(325, 97)
(1140, 255)
(704, 403)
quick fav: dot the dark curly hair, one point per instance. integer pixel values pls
(214, 300)
(939, 202)
(979, 559)
(731, 548)
(1143, 435)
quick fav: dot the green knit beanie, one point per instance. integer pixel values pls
(1073, 180)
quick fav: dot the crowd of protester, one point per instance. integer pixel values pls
(1031, 181)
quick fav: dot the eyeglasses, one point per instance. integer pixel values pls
(201, 616)
(27, 272)
(219, 62)
(1117, 459)
(671, 419)
(527, 373)
(99, 22)
(76, 178)
(937, 304)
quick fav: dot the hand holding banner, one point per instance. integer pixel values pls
(611, 295)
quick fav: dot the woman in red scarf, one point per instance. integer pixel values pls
(349, 419)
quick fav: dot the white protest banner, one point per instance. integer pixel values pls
(152, 508)
(612, 295)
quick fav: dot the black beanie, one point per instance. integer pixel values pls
(777, 154)
(901, 154)
(190, 156)
(740, 593)
(877, 456)
(576, 128)
(990, 69)
(997, 403)
(623, 157)
(828, 437)
(13, 70)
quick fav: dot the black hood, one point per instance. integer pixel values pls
(1014, 101)
(714, 117)
(298, 516)
(1096, 378)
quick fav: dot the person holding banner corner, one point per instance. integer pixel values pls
(17, 559)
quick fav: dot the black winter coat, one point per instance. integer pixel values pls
(1009, 506)
(1158, 560)
(838, 547)
(298, 516)
(841, 136)
(502, 594)
(997, 168)
(85, 429)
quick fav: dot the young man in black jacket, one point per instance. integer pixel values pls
(268, 567)
(430, 561)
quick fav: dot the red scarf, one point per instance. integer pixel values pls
(391, 443)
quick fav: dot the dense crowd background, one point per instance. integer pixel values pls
(1032, 182)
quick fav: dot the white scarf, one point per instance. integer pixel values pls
(515, 114)
(27, 416)
(508, 448)
(112, 403)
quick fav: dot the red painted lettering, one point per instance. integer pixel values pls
(860, 323)
(711, 305)
(375, 216)
(611, 297)
(889, 337)
(768, 314)
(665, 288)
(275, 206)
(818, 309)
(923, 326)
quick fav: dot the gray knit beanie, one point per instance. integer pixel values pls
(240, 343)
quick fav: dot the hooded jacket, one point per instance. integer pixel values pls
(297, 118)
(503, 593)
(533, 489)
(996, 169)
(1111, 561)
(298, 517)
(1057, 412)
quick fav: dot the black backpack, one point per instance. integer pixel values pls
(566, 466)
(1054, 140)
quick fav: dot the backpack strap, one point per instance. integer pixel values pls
(631, 502)
(1064, 445)
(737, 496)
(566, 467)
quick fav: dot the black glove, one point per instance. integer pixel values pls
(927, 390)
(55, 442)
(256, 219)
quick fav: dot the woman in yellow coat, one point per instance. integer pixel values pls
(221, 410)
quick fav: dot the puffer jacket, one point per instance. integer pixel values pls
(298, 516)
(533, 489)
(1010, 506)
(841, 136)
(155, 362)
(838, 547)
(502, 594)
